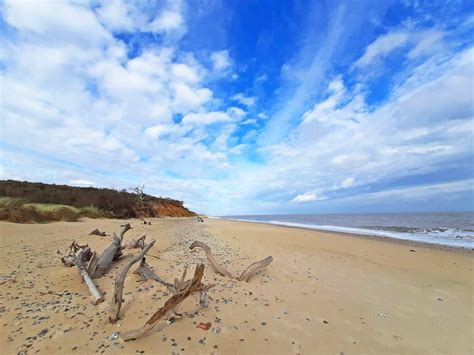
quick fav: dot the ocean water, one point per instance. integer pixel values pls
(454, 229)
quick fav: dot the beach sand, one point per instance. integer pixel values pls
(324, 293)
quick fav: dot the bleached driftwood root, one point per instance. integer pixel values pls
(117, 299)
(194, 285)
(96, 295)
(254, 268)
(137, 244)
(147, 273)
(77, 255)
(210, 257)
(246, 274)
(102, 264)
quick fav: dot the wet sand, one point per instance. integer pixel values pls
(324, 292)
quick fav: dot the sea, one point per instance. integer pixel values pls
(454, 229)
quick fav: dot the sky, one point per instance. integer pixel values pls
(244, 106)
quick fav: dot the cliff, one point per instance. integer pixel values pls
(112, 203)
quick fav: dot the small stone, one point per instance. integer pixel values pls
(43, 332)
(263, 323)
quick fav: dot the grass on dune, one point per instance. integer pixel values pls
(19, 210)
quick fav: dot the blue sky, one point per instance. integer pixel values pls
(244, 107)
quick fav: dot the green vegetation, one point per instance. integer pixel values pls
(19, 210)
(24, 202)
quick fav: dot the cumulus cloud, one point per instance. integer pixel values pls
(166, 21)
(221, 60)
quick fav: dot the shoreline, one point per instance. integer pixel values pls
(396, 240)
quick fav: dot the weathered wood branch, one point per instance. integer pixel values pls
(98, 232)
(137, 244)
(145, 271)
(254, 268)
(212, 260)
(78, 255)
(68, 258)
(169, 305)
(80, 260)
(246, 274)
(102, 264)
(117, 299)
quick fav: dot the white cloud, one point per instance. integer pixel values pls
(244, 100)
(115, 15)
(349, 182)
(187, 98)
(306, 197)
(166, 21)
(382, 46)
(221, 60)
(427, 42)
(206, 118)
(184, 72)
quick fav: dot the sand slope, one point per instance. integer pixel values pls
(324, 293)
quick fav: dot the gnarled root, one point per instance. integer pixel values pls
(246, 274)
(102, 264)
(254, 268)
(210, 257)
(137, 244)
(170, 304)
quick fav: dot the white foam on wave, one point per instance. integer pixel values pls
(448, 237)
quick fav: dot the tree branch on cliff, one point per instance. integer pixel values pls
(183, 292)
(246, 274)
(117, 299)
(102, 264)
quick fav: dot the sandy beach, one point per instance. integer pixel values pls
(324, 293)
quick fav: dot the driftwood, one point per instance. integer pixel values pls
(137, 244)
(117, 299)
(210, 257)
(96, 295)
(183, 292)
(147, 273)
(199, 218)
(246, 274)
(102, 264)
(69, 257)
(254, 268)
(98, 232)
(77, 255)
